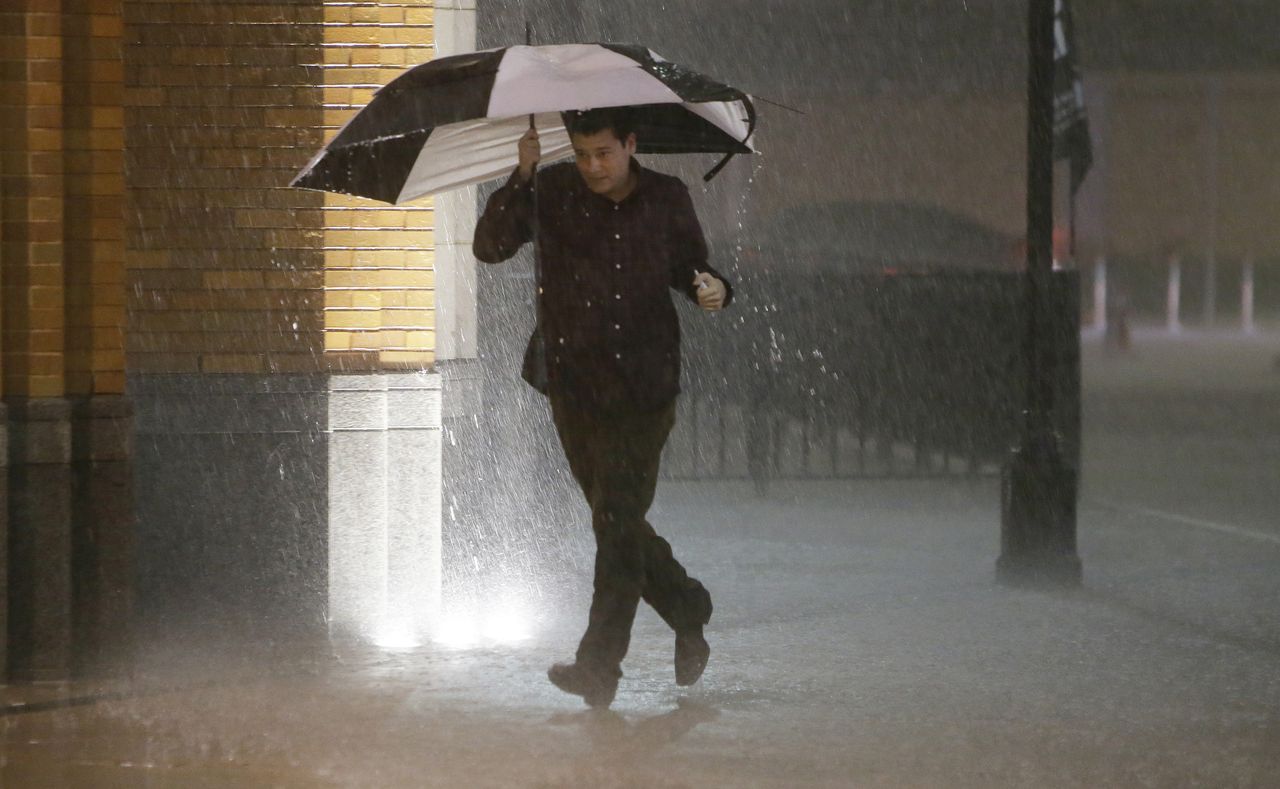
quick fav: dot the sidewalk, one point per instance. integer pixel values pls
(859, 639)
(863, 643)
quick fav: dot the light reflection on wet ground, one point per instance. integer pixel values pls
(859, 640)
(882, 657)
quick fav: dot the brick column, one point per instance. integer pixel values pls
(61, 225)
(245, 295)
(93, 196)
(226, 311)
(32, 138)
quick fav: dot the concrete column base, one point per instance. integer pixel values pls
(103, 526)
(285, 509)
(384, 507)
(39, 582)
(4, 541)
(231, 506)
(1038, 520)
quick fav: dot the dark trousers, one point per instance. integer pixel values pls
(614, 458)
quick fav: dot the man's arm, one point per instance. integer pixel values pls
(506, 223)
(689, 259)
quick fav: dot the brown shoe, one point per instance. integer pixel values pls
(595, 688)
(692, 652)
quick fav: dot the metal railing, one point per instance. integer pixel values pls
(844, 375)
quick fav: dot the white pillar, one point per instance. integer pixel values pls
(1173, 296)
(414, 568)
(418, 447)
(455, 214)
(357, 505)
(455, 264)
(384, 507)
(1246, 296)
(1100, 294)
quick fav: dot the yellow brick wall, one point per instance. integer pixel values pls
(230, 270)
(61, 250)
(379, 278)
(224, 270)
(32, 228)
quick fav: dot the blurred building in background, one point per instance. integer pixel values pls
(924, 104)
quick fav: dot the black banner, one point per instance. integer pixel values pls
(1070, 125)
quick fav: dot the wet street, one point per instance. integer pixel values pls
(859, 639)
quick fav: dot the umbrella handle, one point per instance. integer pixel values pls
(528, 41)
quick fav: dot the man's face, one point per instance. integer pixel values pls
(604, 160)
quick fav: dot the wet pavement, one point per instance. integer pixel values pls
(859, 639)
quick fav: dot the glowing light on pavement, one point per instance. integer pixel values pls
(503, 624)
(396, 635)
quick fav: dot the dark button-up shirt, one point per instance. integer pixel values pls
(609, 328)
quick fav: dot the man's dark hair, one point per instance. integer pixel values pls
(617, 119)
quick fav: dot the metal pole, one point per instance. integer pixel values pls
(1100, 294)
(1039, 208)
(1038, 530)
(1173, 296)
(1246, 296)
(1214, 123)
(540, 326)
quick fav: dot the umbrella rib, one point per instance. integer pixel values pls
(776, 104)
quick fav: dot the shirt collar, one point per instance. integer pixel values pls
(643, 175)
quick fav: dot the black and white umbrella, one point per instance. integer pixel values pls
(456, 120)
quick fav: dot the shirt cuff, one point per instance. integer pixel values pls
(519, 184)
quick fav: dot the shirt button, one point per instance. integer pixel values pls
(617, 356)
(617, 295)
(616, 206)
(617, 235)
(617, 265)
(616, 326)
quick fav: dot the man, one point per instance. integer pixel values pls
(612, 238)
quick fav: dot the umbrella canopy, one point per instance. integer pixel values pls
(456, 120)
